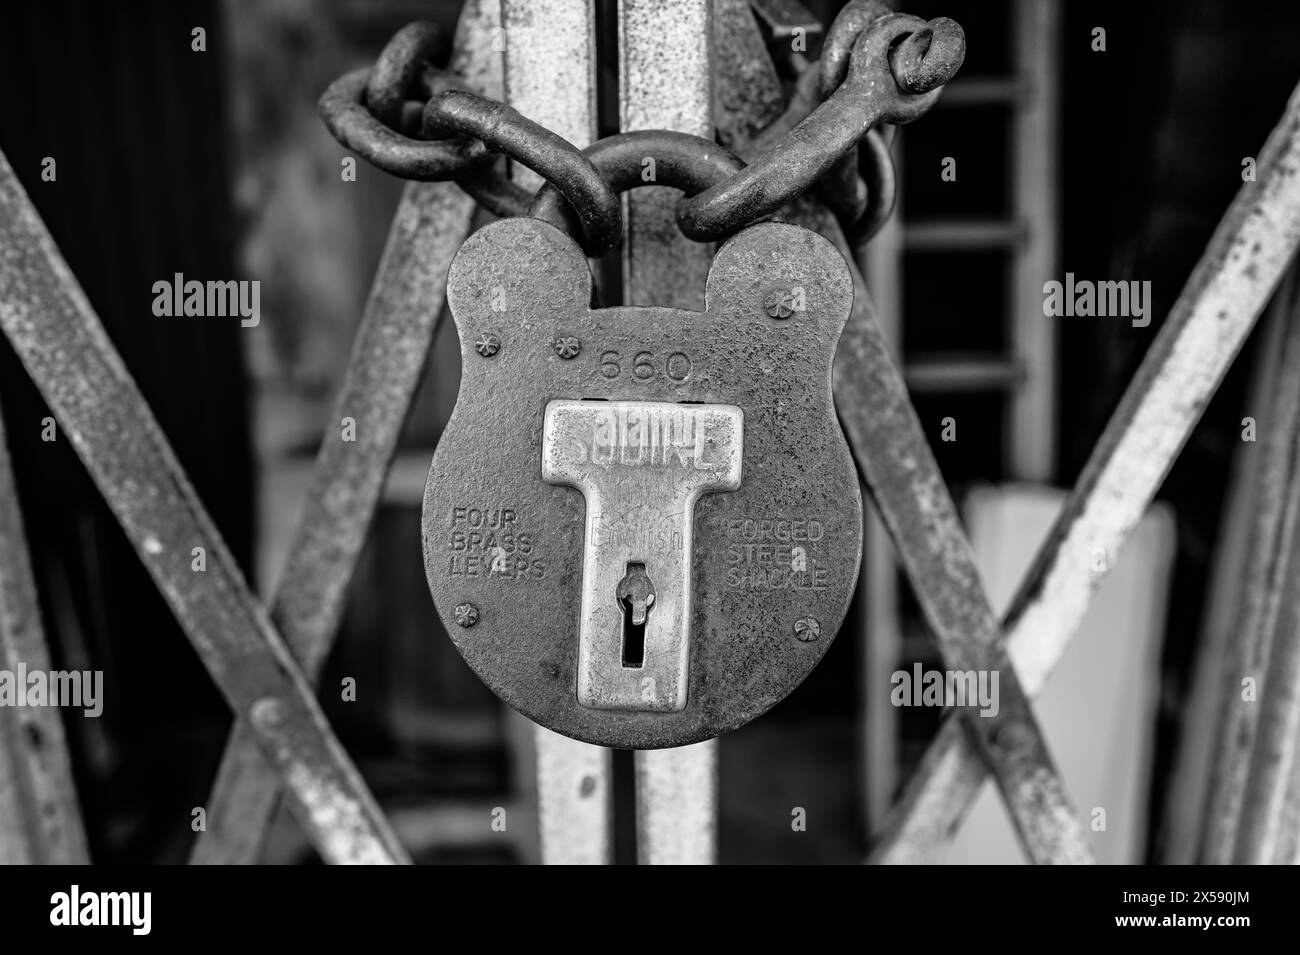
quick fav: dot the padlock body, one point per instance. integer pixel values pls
(773, 560)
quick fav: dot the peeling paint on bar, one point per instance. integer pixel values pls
(40, 821)
(333, 812)
(398, 327)
(1207, 326)
(65, 349)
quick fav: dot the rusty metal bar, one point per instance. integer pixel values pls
(550, 77)
(40, 821)
(1184, 365)
(1205, 705)
(1270, 524)
(64, 348)
(1036, 38)
(881, 262)
(665, 82)
(1261, 735)
(916, 509)
(399, 325)
(397, 329)
(1263, 800)
(747, 93)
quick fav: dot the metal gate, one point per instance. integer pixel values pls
(266, 659)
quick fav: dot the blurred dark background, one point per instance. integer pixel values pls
(214, 164)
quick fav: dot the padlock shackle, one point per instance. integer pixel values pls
(678, 160)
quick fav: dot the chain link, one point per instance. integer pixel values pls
(411, 118)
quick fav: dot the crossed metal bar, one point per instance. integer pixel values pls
(63, 347)
(39, 819)
(1218, 306)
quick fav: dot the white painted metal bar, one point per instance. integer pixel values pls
(574, 800)
(550, 57)
(551, 69)
(1197, 342)
(665, 82)
(677, 805)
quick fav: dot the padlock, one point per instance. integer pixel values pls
(642, 526)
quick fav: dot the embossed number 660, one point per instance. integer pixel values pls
(677, 366)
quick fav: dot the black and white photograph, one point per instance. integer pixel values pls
(650, 432)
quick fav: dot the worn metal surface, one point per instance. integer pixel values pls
(344, 111)
(747, 93)
(499, 538)
(1036, 236)
(786, 19)
(575, 799)
(842, 187)
(1272, 737)
(504, 130)
(64, 348)
(677, 805)
(1182, 369)
(406, 56)
(1037, 799)
(551, 68)
(398, 327)
(560, 93)
(1254, 626)
(40, 822)
(682, 162)
(641, 467)
(1238, 543)
(387, 114)
(666, 82)
(900, 63)
(869, 95)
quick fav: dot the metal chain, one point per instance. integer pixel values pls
(413, 119)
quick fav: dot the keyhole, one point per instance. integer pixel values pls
(636, 595)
